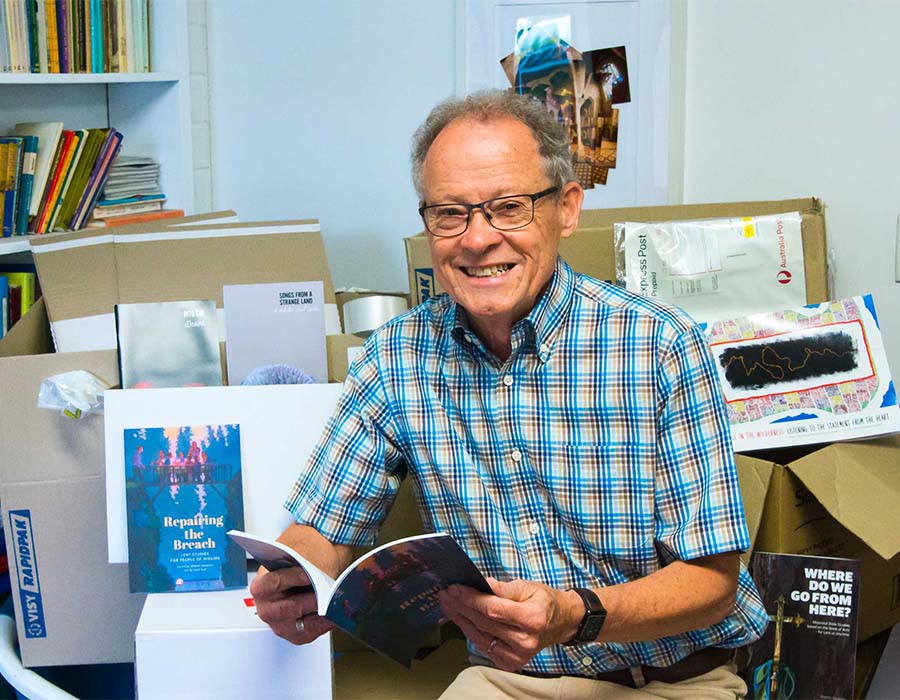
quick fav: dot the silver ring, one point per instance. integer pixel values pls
(493, 643)
(299, 626)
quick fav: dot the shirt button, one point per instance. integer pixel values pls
(507, 380)
(534, 528)
(586, 661)
(545, 348)
(516, 456)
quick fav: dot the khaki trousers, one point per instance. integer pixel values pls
(487, 683)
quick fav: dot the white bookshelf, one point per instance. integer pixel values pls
(152, 110)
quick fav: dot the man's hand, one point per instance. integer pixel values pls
(513, 625)
(285, 601)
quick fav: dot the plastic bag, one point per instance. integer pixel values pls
(75, 394)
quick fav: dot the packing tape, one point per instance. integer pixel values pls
(364, 314)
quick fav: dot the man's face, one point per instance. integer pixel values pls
(496, 276)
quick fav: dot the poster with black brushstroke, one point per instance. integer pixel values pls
(808, 375)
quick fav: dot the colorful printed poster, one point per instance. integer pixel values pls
(813, 374)
(183, 493)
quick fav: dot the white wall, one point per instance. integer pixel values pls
(313, 104)
(801, 98)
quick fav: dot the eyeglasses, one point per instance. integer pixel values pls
(503, 213)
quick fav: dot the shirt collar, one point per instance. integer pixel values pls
(539, 328)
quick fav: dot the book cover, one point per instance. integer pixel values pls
(183, 493)
(168, 344)
(388, 597)
(275, 324)
(813, 374)
(48, 135)
(809, 648)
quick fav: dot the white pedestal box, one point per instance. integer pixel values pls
(212, 645)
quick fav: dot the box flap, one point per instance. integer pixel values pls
(30, 335)
(40, 444)
(858, 483)
(754, 476)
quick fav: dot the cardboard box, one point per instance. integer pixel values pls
(590, 249)
(71, 605)
(84, 274)
(211, 645)
(342, 349)
(842, 500)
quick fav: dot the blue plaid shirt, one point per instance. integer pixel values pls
(596, 454)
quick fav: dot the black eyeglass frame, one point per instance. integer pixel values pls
(471, 207)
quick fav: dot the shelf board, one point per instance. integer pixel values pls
(85, 78)
(14, 244)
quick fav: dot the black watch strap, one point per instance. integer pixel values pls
(594, 617)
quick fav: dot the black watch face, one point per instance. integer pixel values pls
(592, 627)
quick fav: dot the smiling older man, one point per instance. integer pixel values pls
(569, 435)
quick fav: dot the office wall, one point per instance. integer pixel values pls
(312, 106)
(790, 99)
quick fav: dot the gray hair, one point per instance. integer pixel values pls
(551, 137)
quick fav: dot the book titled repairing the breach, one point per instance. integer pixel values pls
(388, 597)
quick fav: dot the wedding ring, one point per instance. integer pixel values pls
(298, 624)
(492, 645)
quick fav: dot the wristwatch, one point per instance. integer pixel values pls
(592, 622)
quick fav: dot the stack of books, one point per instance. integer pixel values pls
(131, 194)
(52, 177)
(85, 36)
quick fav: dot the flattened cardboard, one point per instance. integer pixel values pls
(590, 249)
(51, 474)
(843, 501)
(754, 476)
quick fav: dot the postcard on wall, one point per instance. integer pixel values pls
(183, 493)
(809, 647)
(813, 374)
(707, 266)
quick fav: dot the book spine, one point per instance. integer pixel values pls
(4, 170)
(121, 36)
(70, 166)
(43, 52)
(52, 36)
(52, 182)
(123, 209)
(88, 39)
(31, 18)
(29, 160)
(5, 63)
(141, 218)
(96, 36)
(4, 301)
(96, 187)
(112, 41)
(62, 29)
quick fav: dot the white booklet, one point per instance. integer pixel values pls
(715, 268)
(813, 374)
(276, 332)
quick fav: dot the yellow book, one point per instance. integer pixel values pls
(25, 281)
(3, 162)
(52, 36)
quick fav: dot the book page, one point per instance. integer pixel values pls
(275, 555)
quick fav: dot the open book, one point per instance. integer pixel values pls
(388, 597)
